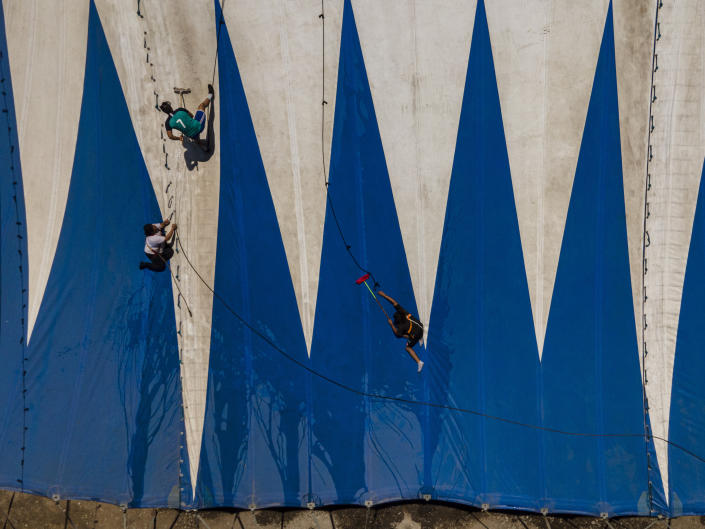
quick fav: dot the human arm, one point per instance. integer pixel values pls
(385, 296)
(170, 233)
(163, 224)
(172, 136)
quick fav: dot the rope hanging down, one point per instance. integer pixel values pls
(21, 236)
(217, 38)
(326, 182)
(645, 245)
(401, 400)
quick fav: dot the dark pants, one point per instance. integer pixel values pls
(157, 263)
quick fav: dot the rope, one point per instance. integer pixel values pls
(645, 244)
(173, 203)
(176, 282)
(217, 38)
(326, 181)
(175, 277)
(428, 404)
(20, 247)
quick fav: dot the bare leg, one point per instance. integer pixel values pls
(204, 104)
(412, 354)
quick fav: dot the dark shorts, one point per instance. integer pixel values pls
(158, 261)
(415, 335)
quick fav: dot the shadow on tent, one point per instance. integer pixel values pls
(198, 150)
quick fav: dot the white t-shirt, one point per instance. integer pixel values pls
(154, 244)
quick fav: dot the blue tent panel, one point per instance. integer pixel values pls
(13, 283)
(481, 291)
(254, 424)
(687, 423)
(591, 379)
(361, 448)
(103, 375)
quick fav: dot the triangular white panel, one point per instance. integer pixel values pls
(633, 31)
(545, 54)
(678, 149)
(279, 50)
(47, 50)
(416, 55)
(154, 53)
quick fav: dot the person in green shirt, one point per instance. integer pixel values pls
(190, 125)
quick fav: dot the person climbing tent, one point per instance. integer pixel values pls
(190, 125)
(405, 326)
(158, 247)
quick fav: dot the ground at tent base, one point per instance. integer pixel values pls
(26, 511)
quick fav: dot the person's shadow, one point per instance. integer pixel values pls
(201, 150)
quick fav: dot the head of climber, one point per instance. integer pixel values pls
(150, 229)
(166, 107)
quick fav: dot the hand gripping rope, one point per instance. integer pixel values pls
(363, 279)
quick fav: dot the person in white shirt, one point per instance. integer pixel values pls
(158, 247)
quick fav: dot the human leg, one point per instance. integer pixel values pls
(207, 100)
(204, 104)
(412, 354)
(200, 116)
(155, 264)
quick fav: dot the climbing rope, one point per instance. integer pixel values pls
(6, 105)
(171, 204)
(176, 282)
(326, 181)
(217, 38)
(646, 241)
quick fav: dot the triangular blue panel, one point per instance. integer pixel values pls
(361, 448)
(481, 292)
(13, 282)
(591, 375)
(255, 413)
(104, 396)
(686, 473)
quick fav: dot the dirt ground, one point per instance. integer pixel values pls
(19, 510)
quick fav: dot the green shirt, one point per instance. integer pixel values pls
(180, 120)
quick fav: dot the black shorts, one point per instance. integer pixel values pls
(415, 335)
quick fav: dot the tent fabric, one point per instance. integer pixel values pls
(13, 285)
(353, 447)
(373, 452)
(481, 285)
(590, 354)
(252, 431)
(103, 389)
(92, 406)
(687, 426)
